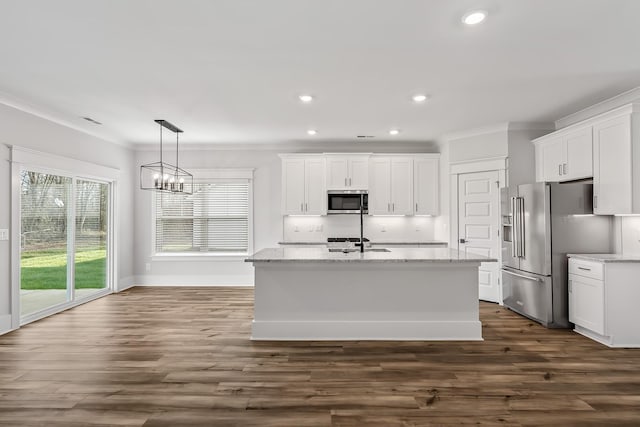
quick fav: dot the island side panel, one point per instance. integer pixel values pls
(357, 301)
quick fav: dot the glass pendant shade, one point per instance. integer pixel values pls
(163, 176)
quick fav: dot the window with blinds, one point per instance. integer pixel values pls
(215, 218)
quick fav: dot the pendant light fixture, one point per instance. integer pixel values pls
(162, 176)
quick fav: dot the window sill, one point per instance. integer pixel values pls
(221, 256)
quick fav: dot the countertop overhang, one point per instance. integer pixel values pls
(397, 255)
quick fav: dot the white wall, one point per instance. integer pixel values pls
(211, 271)
(26, 130)
(268, 221)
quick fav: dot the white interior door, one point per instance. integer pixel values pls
(478, 225)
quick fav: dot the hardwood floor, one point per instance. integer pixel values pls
(182, 356)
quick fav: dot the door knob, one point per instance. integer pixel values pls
(463, 241)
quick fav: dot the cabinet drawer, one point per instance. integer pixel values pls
(593, 270)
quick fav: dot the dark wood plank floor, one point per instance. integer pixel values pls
(182, 356)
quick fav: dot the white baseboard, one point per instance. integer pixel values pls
(362, 330)
(125, 283)
(5, 323)
(193, 280)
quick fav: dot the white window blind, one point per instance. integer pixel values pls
(215, 218)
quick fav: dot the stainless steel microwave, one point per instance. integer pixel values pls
(347, 201)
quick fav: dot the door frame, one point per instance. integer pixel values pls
(27, 159)
(499, 164)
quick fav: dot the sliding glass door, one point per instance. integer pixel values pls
(45, 200)
(65, 228)
(92, 222)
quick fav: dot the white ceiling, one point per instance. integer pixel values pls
(230, 71)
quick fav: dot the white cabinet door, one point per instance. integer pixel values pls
(337, 173)
(379, 186)
(359, 173)
(612, 190)
(552, 157)
(402, 186)
(586, 303)
(426, 186)
(315, 189)
(293, 186)
(579, 154)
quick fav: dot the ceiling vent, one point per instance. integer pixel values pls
(89, 119)
(365, 136)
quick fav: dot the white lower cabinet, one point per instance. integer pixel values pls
(603, 300)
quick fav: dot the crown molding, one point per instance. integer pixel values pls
(500, 127)
(56, 117)
(624, 98)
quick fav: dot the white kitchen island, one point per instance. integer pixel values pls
(404, 294)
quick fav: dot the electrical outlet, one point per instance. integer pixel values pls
(4, 234)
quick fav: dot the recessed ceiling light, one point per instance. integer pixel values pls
(419, 98)
(474, 17)
(312, 132)
(306, 98)
(394, 132)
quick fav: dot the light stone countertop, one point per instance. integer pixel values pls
(291, 254)
(606, 257)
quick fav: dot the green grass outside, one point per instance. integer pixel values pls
(47, 269)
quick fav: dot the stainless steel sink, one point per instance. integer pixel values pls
(348, 250)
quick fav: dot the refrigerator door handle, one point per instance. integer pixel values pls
(521, 227)
(535, 279)
(514, 222)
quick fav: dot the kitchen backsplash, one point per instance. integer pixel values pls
(377, 229)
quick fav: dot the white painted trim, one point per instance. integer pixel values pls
(608, 115)
(440, 330)
(193, 280)
(469, 166)
(15, 245)
(125, 283)
(627, 97)
(500, 127)
(197, 256)
(62, 165)
(5, 323)
(17, 104)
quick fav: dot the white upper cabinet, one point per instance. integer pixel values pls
(605, 147)
(565, 156)
(391, 185)
(347, 172)
(613, 189)
(303, 185)
(426, 184)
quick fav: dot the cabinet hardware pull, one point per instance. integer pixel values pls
(349, 182)
(388, 207)
(301, 207)
(559, 168)
(306, 207)
(564, 168)
(595, 202)
(345, 182)
(584, 268)
(416, 207)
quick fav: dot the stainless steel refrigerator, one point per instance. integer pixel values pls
(541, 223)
